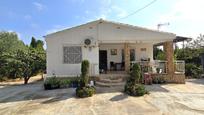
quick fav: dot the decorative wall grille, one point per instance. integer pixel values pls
(72, 54)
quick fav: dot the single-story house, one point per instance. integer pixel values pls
(110, 46)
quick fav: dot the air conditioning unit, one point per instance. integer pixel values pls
(89, 42)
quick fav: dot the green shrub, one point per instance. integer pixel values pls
(84, 73)
(52, 83)
(158, 80)
(193, 70)
(135, 74)
(135, 89)
(132, 86)
(85, 91)
(65, 83)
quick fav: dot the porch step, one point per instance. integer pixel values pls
(102, 84)
(115, 80)
(113, 76)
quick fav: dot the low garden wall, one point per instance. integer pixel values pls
(175, 78)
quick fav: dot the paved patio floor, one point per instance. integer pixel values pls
(170, 99)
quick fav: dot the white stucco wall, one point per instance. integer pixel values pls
(72, 37)
(111, 32)
(103, 32)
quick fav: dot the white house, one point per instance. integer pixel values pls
(109, 46)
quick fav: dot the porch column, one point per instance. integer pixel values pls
(169, 51)
(127, 57)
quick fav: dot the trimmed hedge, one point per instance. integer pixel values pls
(56, 83)
(52, 83)
(158, 80)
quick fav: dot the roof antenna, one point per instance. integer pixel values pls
(162, 24)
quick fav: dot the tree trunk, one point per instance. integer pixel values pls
(42, 76)
(26, 80)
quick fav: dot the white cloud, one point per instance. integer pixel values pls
(118, 11)
(87, 12)
(39, 6)
(110, 9)
(185, 17)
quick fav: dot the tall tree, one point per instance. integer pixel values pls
(197, 43)
(28, 63)
(39, 44)
(9, 44)
(33, 42)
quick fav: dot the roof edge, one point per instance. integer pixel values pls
(113, 22)
(72, 27)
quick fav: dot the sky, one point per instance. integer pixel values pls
(40, 17)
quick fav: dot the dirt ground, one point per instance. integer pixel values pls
(169, 99)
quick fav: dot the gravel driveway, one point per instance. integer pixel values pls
(170, 99)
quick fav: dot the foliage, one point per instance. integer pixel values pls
(85, 91)
(158, 80)
(132, 86)
(135, 74)
(84, 73)
(33, 42)
(135, 89)
(191, 55)
(19, 60)
(65, 83)
(9, 45)
(29, 62)
(38, 44)
(52, 83)
(159, 54)
(193, 70)
(55, 83)
(197, 43)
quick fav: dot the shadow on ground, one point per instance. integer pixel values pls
(197, 81)
(119, 97)
(34, 91)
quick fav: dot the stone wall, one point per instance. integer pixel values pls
(175, 78)
(127, 57)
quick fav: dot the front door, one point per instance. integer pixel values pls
(103, 60)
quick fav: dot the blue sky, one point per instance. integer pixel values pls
(39, 17)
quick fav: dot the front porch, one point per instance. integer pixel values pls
(116, 60)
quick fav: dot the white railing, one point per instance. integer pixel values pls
(93, 69)
(179, 66)
(160, 66)
(156, 66)
(145, 65)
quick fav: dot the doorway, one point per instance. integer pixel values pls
(103, 60)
